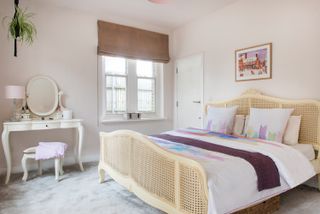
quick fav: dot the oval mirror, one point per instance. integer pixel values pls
(42, 96)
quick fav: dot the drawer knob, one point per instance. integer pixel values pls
(47, 126)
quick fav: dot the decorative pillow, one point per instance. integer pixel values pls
(291, 135)
(221, 119)
(268, 124)
(238, 125)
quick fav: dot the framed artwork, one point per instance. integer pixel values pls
(254, 63)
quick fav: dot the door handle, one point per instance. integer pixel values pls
(197, 102)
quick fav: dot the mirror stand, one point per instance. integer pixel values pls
(61, 107)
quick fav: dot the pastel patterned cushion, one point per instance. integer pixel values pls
(221, 119)
(268, 124)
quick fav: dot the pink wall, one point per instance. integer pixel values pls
(291, 25)
(65, 50)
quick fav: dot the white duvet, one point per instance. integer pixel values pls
(232, 183)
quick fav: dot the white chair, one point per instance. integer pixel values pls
(30, 153)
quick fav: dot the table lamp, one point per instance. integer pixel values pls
(15, 92)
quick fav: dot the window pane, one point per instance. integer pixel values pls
(146, 95)
(116, 94)
(115, 65)
(119, 101)
(146, 84)
(116, 82)
(144, 69)
(116, 100)
(109, 100)
(145, 101)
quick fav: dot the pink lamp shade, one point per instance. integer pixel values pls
(15, 92)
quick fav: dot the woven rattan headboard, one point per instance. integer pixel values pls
(308, 109)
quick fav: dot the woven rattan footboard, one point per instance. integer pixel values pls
(165, 180)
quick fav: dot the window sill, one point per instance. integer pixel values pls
(133, 121)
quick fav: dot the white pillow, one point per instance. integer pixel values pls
(268, 124)
(221, 119)
(291, 135)
(238, 126)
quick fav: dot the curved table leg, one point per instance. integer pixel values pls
(80, 142)
(7, 154)
(24, 167)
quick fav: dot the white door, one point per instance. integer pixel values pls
(189, 92)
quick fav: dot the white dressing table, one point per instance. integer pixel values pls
(9, 127)
(43, 99)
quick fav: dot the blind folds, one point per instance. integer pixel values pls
(133, 43)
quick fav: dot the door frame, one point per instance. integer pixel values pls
(175, 112)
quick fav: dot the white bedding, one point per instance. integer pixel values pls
(232, 183)
(306, 149)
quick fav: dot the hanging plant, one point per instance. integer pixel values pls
(21, 28)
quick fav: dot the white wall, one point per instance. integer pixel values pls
(291, 25)
(66, 50)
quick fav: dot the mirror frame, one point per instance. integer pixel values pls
(56, 103)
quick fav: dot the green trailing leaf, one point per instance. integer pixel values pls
(21, 27)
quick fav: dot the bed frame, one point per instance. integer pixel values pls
(176, 184)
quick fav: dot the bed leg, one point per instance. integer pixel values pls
(102, 174)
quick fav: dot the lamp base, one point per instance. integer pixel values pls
(16, 115)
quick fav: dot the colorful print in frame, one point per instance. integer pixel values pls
(254, 63)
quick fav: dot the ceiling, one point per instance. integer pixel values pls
(168, 16)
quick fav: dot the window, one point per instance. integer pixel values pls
(130, 86)
(146, 86)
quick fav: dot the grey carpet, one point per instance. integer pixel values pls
(80, 192)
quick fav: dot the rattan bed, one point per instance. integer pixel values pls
(176, 184)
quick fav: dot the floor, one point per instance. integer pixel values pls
(80, 193)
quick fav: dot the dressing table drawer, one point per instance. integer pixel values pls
(44, 125)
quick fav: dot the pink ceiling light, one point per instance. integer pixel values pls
(159, 1)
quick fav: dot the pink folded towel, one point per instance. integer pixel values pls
(47, 150)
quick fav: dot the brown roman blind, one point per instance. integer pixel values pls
(130, 42)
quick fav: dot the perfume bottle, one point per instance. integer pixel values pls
(27, 109)
(25, 113)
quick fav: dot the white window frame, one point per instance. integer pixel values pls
(132, 93)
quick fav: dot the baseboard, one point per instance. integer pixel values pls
(47, 164)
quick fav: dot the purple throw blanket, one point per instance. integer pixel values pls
(265, 168)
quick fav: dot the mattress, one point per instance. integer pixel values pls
(228, 173)
(306, 149)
